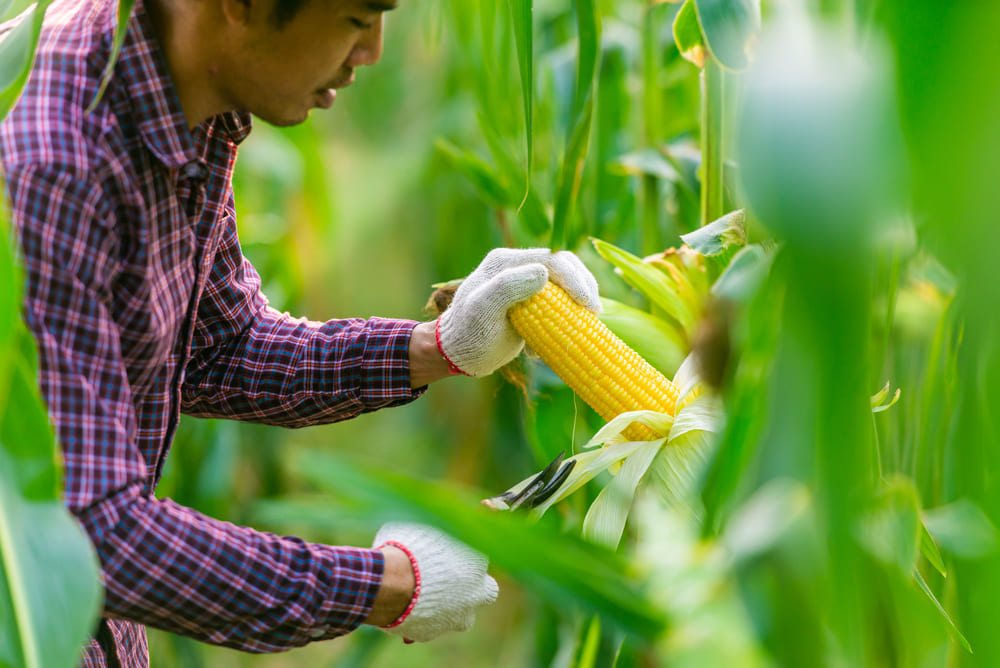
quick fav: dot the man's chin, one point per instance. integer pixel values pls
(284, 120)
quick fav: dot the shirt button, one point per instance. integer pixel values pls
(194, 171)
(316, 634)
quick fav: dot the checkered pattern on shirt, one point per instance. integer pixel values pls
(143, 306)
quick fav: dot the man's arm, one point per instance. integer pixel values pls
(163, 565)
(426, 362)
(251, 362)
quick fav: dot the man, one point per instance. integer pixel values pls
(143, 307)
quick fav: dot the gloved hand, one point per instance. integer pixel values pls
(474, 334)
(451, 581)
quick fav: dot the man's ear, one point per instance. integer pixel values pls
(238, 12)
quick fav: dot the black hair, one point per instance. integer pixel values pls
(285, 10)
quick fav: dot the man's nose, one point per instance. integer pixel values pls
(368, 49)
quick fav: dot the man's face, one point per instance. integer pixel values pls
(280, 73)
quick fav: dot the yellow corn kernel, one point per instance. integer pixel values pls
(597, 365)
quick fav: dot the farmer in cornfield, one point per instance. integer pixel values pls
(143, 307)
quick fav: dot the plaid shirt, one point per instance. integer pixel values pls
(144, 307)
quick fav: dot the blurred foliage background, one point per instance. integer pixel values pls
(833, 524)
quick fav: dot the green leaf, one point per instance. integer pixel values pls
(687, 34)
(962, 528)
(581, 119)
(745, 274)
(766, 518)
(532, 211)
(562, 568)
(124, 11)
(482, 176)
(891, 529)
(522, 15)
(720, 235)
(730, 29)
(922, 584)
(590, 644)
(648, 280)
(49, 584)
(50, 593)
(878, 399)
(930, 551)
(605, 521)
(570, 175)
(17, 54)
(647, 162)
(588, 29)
(656, 340)
(25, 429)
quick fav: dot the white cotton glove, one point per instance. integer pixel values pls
(451, 581)
(474, 334)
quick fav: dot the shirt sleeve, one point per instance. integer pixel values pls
(252, 362)
(162, 564)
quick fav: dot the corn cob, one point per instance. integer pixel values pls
(597, 365)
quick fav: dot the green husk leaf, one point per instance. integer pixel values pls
(650, 281)
(605, 521)
(656, 340)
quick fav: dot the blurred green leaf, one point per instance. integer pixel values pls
(559, 567)
(730, 28)
(720, 235)
(891, 529)
(687, 34)
(588, 25)
(479, 173)
(766, 518)
(922, 584)
(590, 644)
(581, 115)
(17, 53)
(646, 162)
(962, 528)
(570, 174)
(522, 13)
(50, 594)
(745, 273)
(814, 102)
(930, 551)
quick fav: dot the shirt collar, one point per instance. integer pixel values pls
(157, 108)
